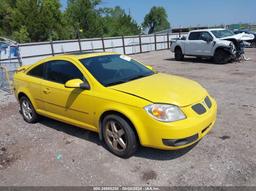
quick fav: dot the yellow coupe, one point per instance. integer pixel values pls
(125, 102)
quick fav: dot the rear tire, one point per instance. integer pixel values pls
(27, 110)
(221, 56)
(178, 54)
(119, 136)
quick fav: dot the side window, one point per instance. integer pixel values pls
(194, 36)
(37, 71)
(205, 35)
(61, 71)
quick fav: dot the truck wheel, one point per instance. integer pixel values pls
(119, 136)
(221, 56)
(178, 54)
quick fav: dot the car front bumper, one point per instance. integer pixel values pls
(179, 134)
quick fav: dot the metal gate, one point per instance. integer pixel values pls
(10, 60)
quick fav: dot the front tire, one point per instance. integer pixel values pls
(178, 54)
(119, 136)
(27, 110)
(221, 56)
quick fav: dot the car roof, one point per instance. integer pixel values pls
(82, 55)
(211, 29)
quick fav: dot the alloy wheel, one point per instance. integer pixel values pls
(26, 110)
(115, 135)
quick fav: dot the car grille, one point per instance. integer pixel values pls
(200, 108)
(208, 102)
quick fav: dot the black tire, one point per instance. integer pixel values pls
(178, 54)
(128, 136)
(28, 112)
(221, 56)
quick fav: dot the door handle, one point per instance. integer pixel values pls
(47, 91)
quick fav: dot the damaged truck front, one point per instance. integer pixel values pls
(220, 44)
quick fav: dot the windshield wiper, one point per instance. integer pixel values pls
(116, 83)
(137, 77)
(130, 79)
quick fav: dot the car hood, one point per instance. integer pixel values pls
(163, 88)
(239, 37)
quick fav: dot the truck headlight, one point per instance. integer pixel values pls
(165, 112)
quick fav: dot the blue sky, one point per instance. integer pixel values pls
(191, 12)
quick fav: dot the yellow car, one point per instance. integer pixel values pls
(125, 102)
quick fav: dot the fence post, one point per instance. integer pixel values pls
(155, 41)
(168, 40)
(51, 43)
(140, 44)
(123, 45)
(19, 56)
(103, 44)
(79, 43)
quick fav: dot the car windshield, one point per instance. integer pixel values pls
(115, 69)
(222, 33)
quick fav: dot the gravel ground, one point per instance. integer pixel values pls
(51, 153)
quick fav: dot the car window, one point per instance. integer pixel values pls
(61, 71)
(115, 69)
(205, 35)
(37, 71)
(194, 36)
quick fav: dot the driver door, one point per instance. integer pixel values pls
(71, 105)
(207, 44)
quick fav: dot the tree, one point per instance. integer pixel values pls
(21, 35)
(83, 15)
(156, 20)
(117, 23)
(42, 18)
(6, 7)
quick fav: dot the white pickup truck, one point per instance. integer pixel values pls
(220, 44)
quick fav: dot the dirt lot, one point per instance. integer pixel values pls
(51, 153)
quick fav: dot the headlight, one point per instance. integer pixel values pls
(165, 112)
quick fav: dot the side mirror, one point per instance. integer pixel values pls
(206, 38)
(77, 83)
(85, 85)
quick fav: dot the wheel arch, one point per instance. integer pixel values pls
(221, 48)
(114, 112)
(178, 47)
(23, 92)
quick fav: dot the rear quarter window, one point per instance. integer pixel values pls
(37, 71)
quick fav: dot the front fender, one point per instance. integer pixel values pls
(129, 112)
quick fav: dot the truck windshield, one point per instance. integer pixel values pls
(222, 33)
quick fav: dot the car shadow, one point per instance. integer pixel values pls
(70, 130)
(196, 60)
(157, 154)
(142, 152)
